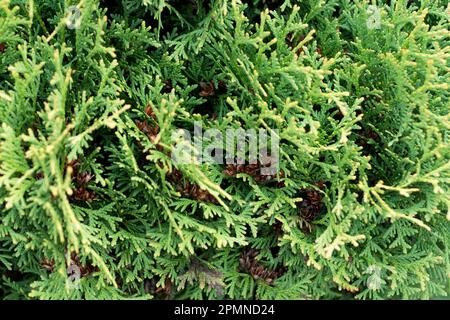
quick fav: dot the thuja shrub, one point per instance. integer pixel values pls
(94, 206)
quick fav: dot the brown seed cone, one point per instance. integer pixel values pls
(82, 194)
(249, 264)
(146, 128)
(150, 130)
(85, 270)
(189, 189)
(48, 265)
(208, 89)
(253, 170)
(81, 180)
(311, 206)
(149, 111)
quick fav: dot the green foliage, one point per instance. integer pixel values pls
(363, 119)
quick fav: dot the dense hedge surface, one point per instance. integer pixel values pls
(359, 209)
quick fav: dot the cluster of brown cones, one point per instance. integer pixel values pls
(208, 89)
(2, 47)
(249, 264)
(151, 130)
(255, 171)
(48, 265)
(188, 189)
(81, 180)
(311, 206)
(85, 270)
